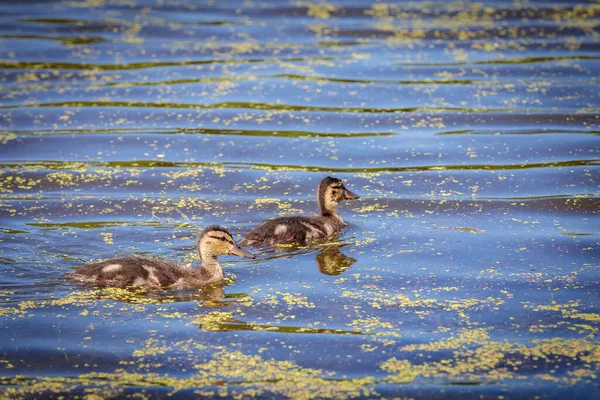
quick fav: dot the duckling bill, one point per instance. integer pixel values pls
(303, 230)
(156, 273)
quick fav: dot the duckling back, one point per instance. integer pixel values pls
(133, 271)
(292, 230)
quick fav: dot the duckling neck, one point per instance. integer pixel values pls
(209, 266)
(330, 211)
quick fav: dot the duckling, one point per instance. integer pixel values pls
(302, 230)
(156, 273)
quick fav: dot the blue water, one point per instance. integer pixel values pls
(469, 267)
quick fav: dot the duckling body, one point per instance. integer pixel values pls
(304, 229)
(156, 273)
(287, 230)
(143, 271)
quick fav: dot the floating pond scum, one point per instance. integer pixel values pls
(470, 266)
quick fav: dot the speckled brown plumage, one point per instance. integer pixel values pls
(162, 273)
(156, 273)
(301, 229)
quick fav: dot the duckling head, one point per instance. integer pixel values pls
(216, 241)
(330, 192)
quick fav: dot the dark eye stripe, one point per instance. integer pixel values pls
(337, 187)
(221, 238)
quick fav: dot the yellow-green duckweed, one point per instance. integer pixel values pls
(468, 269)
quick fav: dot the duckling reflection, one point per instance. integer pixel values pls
(332, 261)
(209, 296)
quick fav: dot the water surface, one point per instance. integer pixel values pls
(469, 267)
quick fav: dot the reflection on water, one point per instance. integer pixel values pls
(210, 296)
(472, 130)
(329, 257)
(332, 261)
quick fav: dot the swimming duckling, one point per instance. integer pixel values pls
(156, 273)
(302, 230)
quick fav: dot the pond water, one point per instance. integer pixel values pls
(469, 267)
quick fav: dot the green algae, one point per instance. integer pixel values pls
(227, 372)
(235, 373)
(499, 361)
(464, 270)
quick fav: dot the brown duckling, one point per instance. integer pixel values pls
(302, 230)
(156, 273)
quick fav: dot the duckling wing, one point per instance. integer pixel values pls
(284, 230)
(129, 271)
